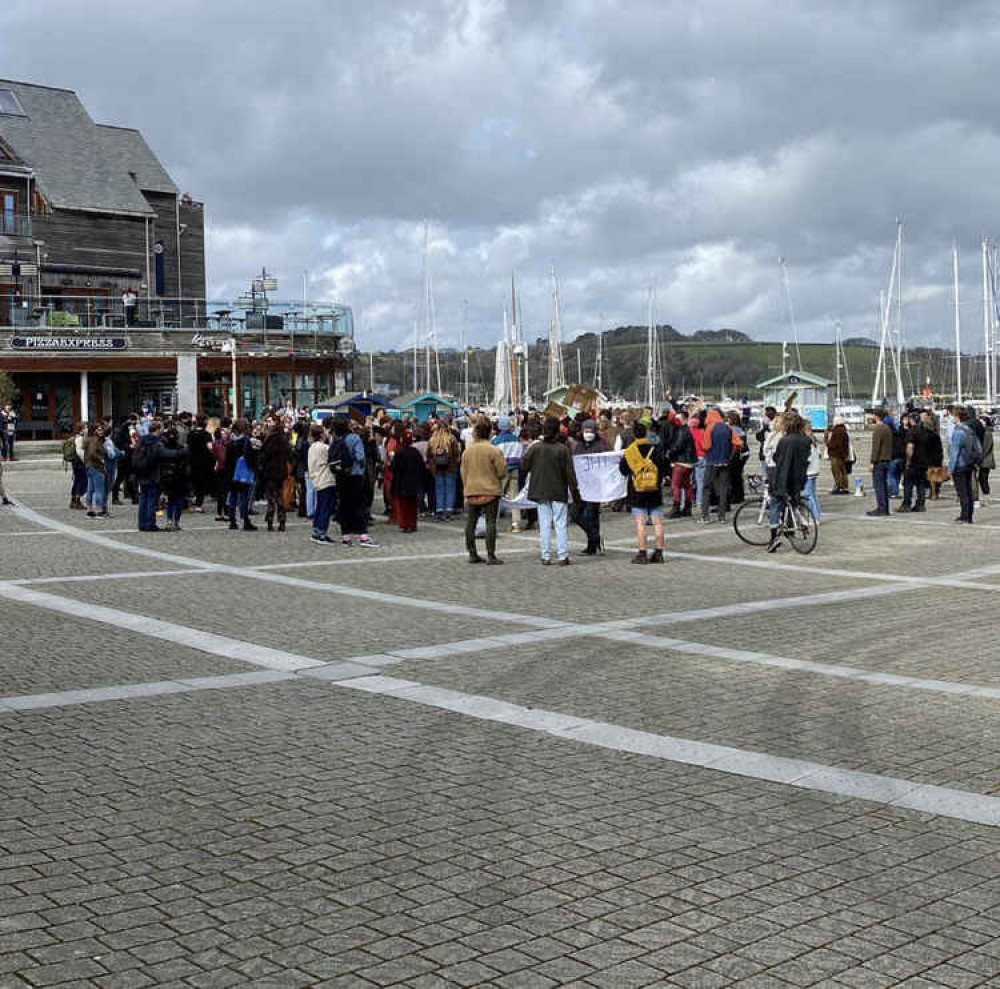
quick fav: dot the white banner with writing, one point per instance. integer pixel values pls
(597, 476)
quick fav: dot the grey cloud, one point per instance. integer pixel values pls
(617, 141)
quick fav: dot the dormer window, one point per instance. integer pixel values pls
(10, 104)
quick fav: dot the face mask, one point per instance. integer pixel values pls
(588, 437)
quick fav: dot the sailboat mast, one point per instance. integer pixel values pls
(514, 391)
(465, 354)
(791, 311)
(986, 327)
(838, 350)
(651, 355)
(900, 391)
(958, 323)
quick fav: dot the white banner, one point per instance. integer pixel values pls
(597, 476)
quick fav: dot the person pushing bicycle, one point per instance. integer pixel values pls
(791, 462)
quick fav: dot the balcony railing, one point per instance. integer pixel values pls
(88, 312)
(14, 225)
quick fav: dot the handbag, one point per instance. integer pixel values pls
(242, 474)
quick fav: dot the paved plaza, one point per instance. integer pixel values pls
(244, 759)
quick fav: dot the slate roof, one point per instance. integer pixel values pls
(78, 164)
(127, 151)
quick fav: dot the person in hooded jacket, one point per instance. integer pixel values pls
(588, 514)
(408, 470)
(683, 458)
(838, 446)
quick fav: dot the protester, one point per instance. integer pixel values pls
(484, 473)
(275, 463)
(8, 431)
(443, 457)
(642, 463)
(683, 458)
(408, 470)
(916, 464)
(964, 456)
(838, 448)
(175, 478)
(588, 513)
(988, 462)
(93, 461)
(201, 461)
(347, 452)
(550, 467)
(881, 457)
(718, 443)
(511, 446)
(241, 466)
(791, 464)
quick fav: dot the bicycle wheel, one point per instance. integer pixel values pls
(751, 523)
(801, 529)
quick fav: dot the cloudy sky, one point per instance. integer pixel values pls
(618, 142)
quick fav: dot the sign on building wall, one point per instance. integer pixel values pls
(39, 342)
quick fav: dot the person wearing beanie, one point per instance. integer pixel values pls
(508, 443)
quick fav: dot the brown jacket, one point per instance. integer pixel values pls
(484, 469)
(881, 444)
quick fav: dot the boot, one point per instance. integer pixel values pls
(494, 561)
(772, 546)
(919, 507)
(640, 557)
(281, 527)
(270, 524)
(675, 512)
(248, 526)
(232, 524)
(904, 508)
(657, 556)
(686, 513)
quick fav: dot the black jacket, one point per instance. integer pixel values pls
(408, 473)
(682, 449)
(239, 446)
(791, 463)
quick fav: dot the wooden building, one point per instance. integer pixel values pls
(102, 284)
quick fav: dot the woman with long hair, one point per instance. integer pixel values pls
(443, 458)
(407, 482)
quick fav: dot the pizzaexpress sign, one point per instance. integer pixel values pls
(39, 342)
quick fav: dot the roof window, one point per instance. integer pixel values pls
(9, 103)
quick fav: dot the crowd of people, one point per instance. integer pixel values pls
(691, 458)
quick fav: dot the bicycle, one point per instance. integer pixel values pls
(797, 525)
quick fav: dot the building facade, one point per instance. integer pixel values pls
(103, 284)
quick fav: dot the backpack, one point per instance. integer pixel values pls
(646, 477)
(340, 457)
(69, 450)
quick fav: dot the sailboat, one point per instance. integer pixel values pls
(890, 340)
(502, 378)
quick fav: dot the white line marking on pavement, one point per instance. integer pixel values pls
(128, 691)
(217, 645)
(909, 794)
(368, 595)
(98, 577)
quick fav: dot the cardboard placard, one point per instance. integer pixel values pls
(556, 410)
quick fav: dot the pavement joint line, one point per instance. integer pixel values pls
(891, 791)
(620, 632)
(217, 645)
(130, 691)
(97, 539)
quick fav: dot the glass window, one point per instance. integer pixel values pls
(9, 103)
(304, 381)
(39, 399)
(252, 398)
(322, 386)
(212, 401)
(279, 389)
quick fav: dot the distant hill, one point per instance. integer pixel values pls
(709, 362)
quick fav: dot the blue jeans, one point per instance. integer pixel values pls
(812, 499)
(444, 492)
(880, 481)
(310, 498)
(95, 489)
(553, 513)
(699, 479)
(895, 474)
(79, 478)
(239, 498)
(110, 472)
(324, 509)
(149, 497)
